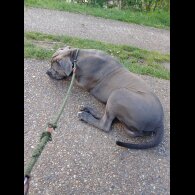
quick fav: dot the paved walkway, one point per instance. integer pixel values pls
(81, 159)
(89, 27)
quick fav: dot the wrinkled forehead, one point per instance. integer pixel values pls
(63, 50)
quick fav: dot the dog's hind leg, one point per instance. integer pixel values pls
(90, 110)
(134, 133)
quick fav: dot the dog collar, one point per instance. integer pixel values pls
(76, 56)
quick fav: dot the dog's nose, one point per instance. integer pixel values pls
(48, 72)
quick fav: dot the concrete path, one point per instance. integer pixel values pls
(89, 27)
(82, 159)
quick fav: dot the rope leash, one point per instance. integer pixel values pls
(46, 135)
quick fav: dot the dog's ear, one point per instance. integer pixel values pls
(66, 64)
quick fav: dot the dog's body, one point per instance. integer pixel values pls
(127, 97)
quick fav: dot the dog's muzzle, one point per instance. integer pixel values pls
(49, 73)
(54, 75)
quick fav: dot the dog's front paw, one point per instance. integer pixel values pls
(83, 116)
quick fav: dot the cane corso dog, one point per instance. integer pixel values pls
(127, 97)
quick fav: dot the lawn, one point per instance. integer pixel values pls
(42, 46)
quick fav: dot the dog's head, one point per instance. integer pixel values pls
(62, 63)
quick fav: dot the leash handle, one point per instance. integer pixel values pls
(26, 184)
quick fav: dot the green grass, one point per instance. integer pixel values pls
(136, 60)
(158, 19)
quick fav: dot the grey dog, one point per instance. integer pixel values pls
(127, 97)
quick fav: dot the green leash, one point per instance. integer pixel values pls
(46, 136)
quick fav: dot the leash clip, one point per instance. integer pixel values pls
(74, 70)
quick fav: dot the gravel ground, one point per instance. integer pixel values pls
(89, 27)
(82, 159)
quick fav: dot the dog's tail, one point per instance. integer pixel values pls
(157, 138)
